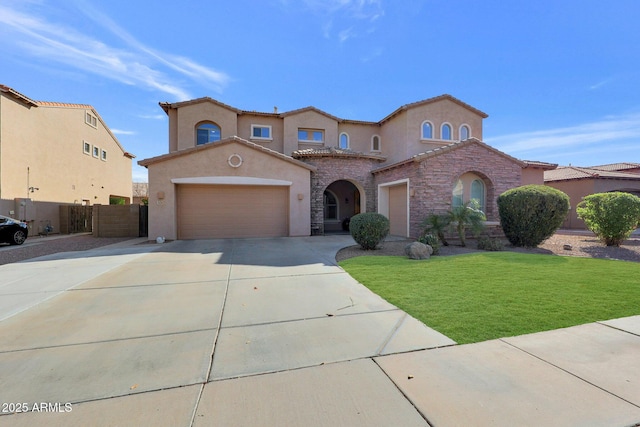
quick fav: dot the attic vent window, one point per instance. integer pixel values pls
(91, 120)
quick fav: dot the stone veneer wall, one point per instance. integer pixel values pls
(331, 169)
(432, 180)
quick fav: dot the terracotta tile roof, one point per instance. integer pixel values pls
(445, 149)
(567, 173)
(431, 100)
(17, 95)
(305, 109)
(334, 152)
(226, 141)
(617, 166)
(540, 165)
(64, 105)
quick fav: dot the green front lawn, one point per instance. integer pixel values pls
(482, 296)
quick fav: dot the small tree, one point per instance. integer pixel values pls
(467, 215)
(611, 216)
(437, 225)
(369, 229)
(532, 213)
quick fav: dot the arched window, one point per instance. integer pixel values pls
(464, 132)
(330, 205)
(375, 143)
(207, 132)
(477, 192)
(458, 191)
(427, 130)
(344, 140)
(445, 131)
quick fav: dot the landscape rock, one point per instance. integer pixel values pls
(417, 250)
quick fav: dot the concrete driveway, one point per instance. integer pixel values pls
(271, 332)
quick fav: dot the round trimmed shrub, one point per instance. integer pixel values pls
(369, 229)
(530, 214)
(611, 216)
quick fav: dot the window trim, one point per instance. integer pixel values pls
(95, 151)
(207, 122)
(422, 130)
(462, 126)
(442, 126)
(311, 131)
(324, 206)
(86, 148)
(103, 155)
(91, 119)
(340, 140)
(262, 138)
(379, 149)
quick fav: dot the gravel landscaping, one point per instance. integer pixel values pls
(582, 245)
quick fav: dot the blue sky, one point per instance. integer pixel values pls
(558, 78)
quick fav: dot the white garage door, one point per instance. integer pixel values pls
(225, 211)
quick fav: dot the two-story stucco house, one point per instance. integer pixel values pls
(54, 153)
(235, 173)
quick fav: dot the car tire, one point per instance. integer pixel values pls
(18, 237)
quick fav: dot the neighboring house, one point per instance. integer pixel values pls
(578, 182)
(140, 193)
(236, 173)
(53, 153)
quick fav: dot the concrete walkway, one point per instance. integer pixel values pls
(272, 332)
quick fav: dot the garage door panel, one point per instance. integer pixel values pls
(219, 211)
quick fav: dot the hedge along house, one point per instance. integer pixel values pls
(236, 173)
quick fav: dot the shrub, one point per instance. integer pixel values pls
(431, 240)
(532, 213)
(611, 216)
(489, 244)
(369, 229)
(436, 225)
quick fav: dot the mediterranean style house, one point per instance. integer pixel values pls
(578, 182)
(54, 153)
(236, 173)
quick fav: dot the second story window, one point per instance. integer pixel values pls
(427, 130)
(464, 132)
(344, 140)
(375, 143)
(261, 132)
(91, 120)
(310, 135)
(445, 131)
(207, 132)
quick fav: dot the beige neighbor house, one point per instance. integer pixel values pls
(578, 182)
(235, 173)
(54, 153)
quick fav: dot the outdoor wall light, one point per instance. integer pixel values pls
(160, 195)
(300, 196)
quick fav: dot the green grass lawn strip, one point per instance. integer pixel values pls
(482, 296)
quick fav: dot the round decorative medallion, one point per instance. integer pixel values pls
(235, 161)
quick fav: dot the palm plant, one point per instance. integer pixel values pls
(437, 224)
(467, 215)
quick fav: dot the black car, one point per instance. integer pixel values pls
(12, 231)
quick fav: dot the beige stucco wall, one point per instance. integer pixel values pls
(212, 161)
(360, 135)
(48, 140)
(532, 176)
(189, 116)
(576, 190)
(277, 130)
(309, 120)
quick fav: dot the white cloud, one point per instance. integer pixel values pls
(132, 64)
(600, 136)
(123, 132)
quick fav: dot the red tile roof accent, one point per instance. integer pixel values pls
(334, 152)
(572, 172)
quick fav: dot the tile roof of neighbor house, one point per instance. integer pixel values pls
(225, 141)
(445, 149)
(540, 165)
(334, 152)
(616, 166)
(167, 105)
(567, 173)
(25, 99)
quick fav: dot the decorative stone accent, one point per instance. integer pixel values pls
(417, 250)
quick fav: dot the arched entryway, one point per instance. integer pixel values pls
(341, 200)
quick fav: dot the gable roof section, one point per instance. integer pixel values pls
(616, 167)
(447, 149)
(17, 95)
(432, 100)
(334, 152)
(226, 141)
(167, 105)
(314, 109)
(568, 173)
